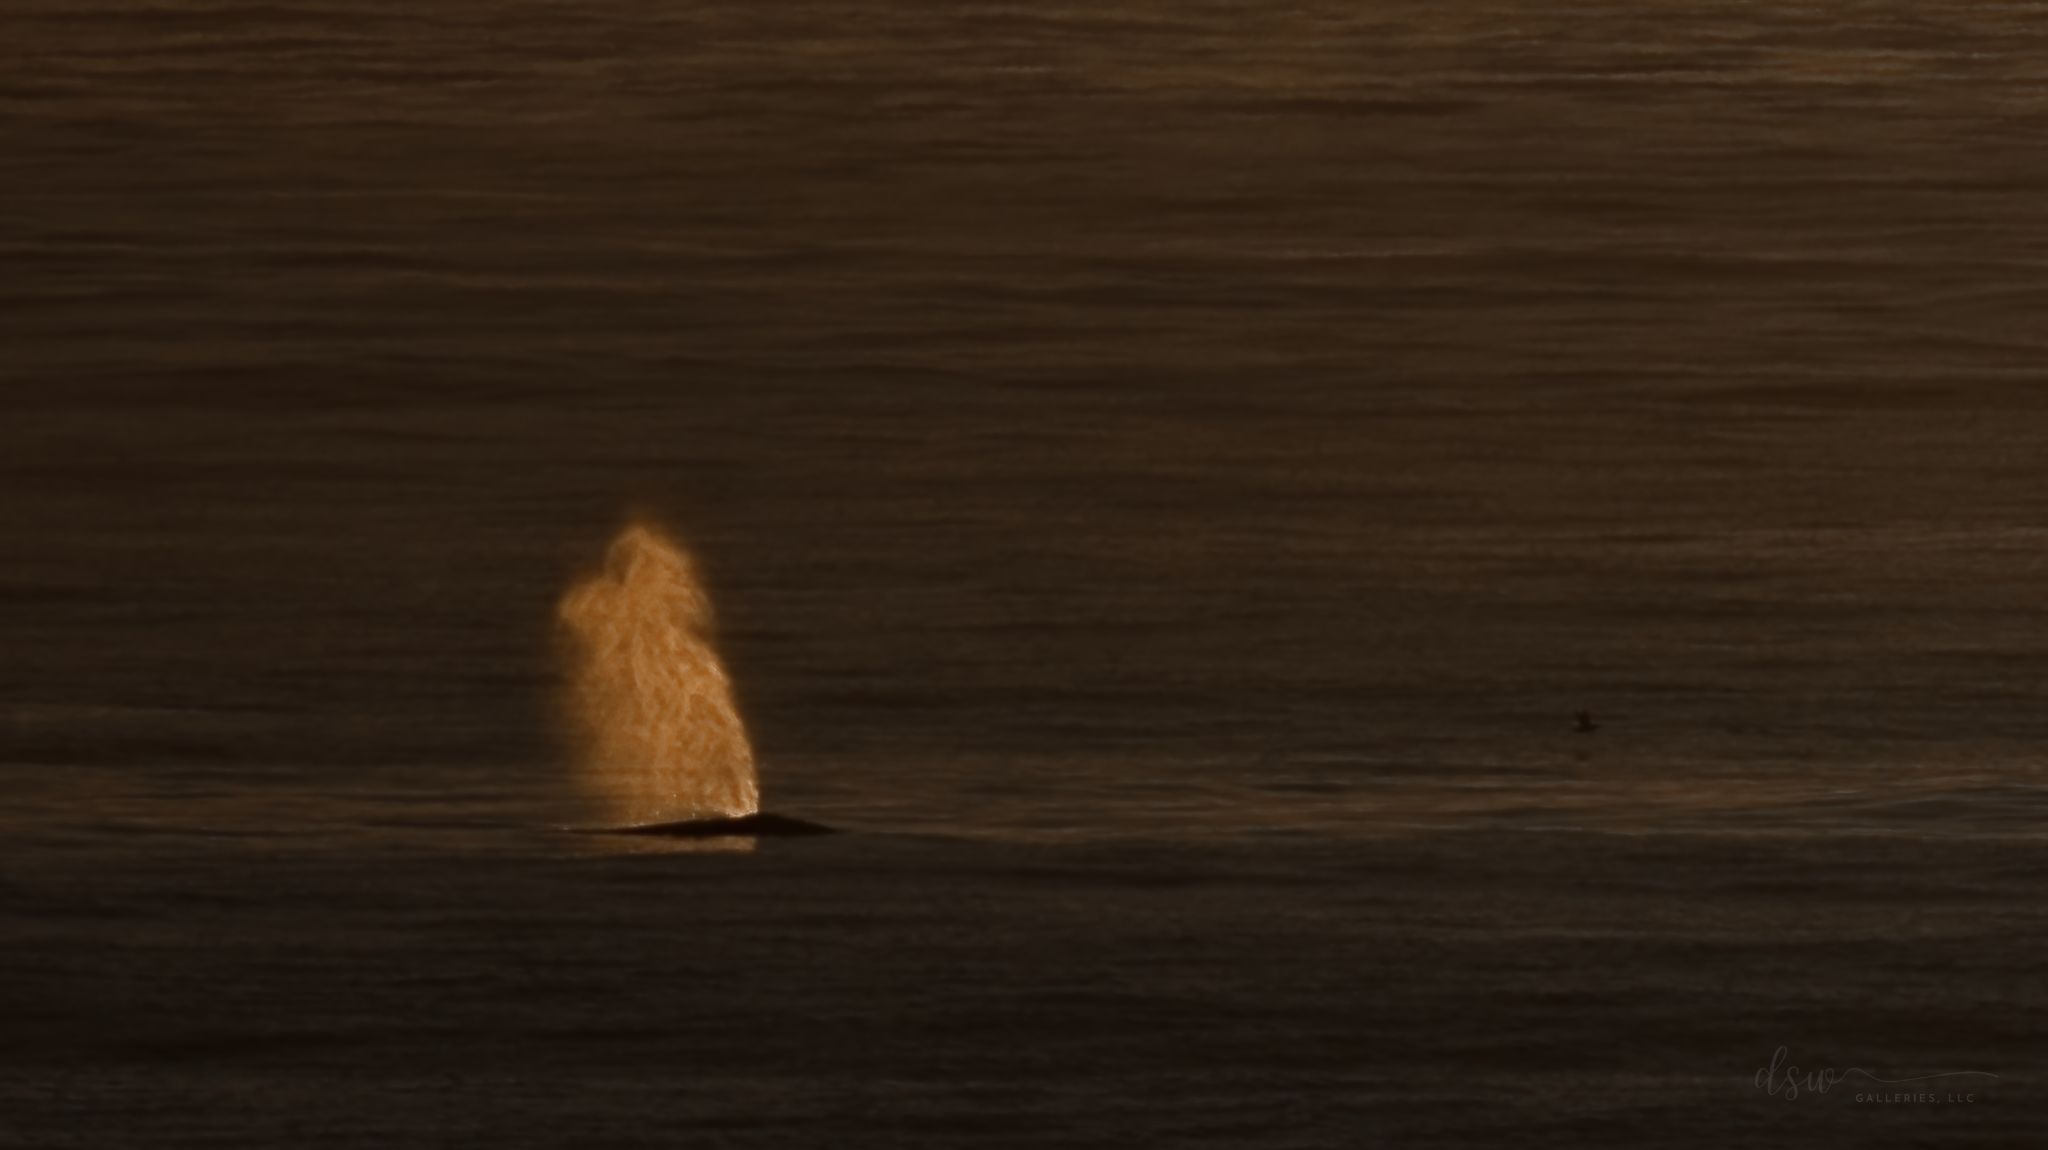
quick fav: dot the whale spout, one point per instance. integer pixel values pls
(660, 731)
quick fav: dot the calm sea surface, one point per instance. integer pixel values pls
(1168, 472)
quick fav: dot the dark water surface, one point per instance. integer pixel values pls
(1169, 473)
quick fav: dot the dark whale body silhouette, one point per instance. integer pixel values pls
(762, 825)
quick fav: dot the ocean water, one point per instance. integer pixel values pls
(1168, 474)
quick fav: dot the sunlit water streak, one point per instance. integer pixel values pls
(661, 737)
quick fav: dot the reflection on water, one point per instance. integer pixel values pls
(668, 845)
(489, 813)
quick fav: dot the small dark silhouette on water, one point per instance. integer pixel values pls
(1585, 724)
